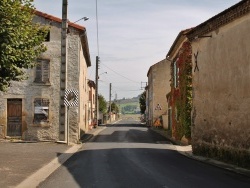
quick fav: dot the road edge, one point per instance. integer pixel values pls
(40, 175)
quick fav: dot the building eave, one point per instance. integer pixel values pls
(81, 29)
(59, 20)
(179, 39)
(85, 47)
(234, 12)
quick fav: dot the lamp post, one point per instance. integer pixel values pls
(101, 74)
(63, 110)
(83, 18)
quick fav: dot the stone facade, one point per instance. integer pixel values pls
(30, 92)
(157, 89)
(221, 93)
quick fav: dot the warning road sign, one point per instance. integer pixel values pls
(158, 107)
(71, 97)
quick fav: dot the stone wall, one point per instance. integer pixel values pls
(221, 94)
(28, 90)
(158, 87)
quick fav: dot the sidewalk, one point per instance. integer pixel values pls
(26, 164)
(187, 151)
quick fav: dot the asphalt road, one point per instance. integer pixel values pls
(129, 155)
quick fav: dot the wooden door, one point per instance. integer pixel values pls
(14, 117)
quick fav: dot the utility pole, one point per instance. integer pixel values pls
(110, 101)
(63, 74)
(143, 83)
(96, 91)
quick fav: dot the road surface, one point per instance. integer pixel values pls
(129, 155)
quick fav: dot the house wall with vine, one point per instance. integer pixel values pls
(181, 92)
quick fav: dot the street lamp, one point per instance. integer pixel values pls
(102, 73)
(83, 18)
(63, 118)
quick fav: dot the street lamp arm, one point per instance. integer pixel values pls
(102, 73)
(83, 18)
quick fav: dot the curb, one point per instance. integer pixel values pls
(90, 136)
(36, 178)
(43, 173)
(187, 151)
(219, 164)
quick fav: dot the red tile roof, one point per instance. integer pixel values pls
(50, 17)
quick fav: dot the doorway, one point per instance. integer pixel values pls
(14, 117)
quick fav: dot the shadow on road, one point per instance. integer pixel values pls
(132, 133)
(139, 167)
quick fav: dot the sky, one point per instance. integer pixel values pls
(132, 35)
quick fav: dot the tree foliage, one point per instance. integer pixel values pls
(129, 109)
(114, 108)
(142, 102)
(102, 104)
(21, 40)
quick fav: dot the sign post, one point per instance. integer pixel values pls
(70, 99)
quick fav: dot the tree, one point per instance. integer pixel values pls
(102, 104)
(114, 108)
(142, 102)
(21, 40)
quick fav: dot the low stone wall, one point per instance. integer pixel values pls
(239, 157)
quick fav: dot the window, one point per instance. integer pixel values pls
(93, 99)
(176, 75)
(41, 110)
(47, 37)
(42, 71)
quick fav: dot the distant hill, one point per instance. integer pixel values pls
(129, 106)
(123, 101)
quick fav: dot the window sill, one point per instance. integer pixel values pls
(41, 124)
(40, 84)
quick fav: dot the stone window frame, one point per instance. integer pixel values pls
(41, 110)
(42, 71)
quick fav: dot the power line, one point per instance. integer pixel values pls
(119, 73)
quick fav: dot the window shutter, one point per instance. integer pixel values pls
(42, 71)
(46, 71)
(38, 72)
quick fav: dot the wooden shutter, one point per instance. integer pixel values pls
(42, 71)
(45, 71)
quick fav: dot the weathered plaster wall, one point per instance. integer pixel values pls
(221, 93)
(150, 99)
(159, 86)
(91, 114)
(84, 89)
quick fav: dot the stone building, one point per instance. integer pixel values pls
(157, 89)
(221, 92)
(180, 96)
(30, 109)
